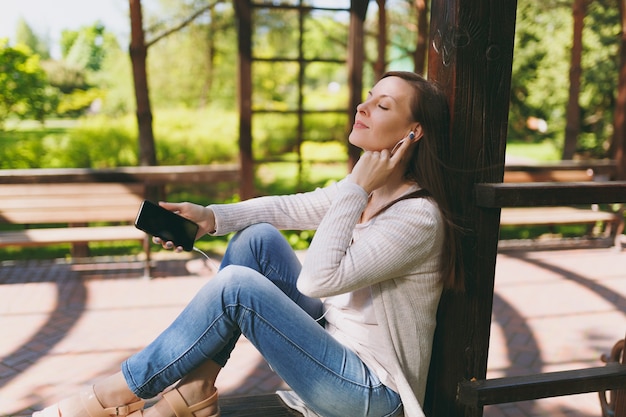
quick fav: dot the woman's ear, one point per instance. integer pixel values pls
(417, 130)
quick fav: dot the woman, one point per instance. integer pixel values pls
(384, 248)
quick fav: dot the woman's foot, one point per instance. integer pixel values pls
(110, 397)
(87, 404)
(195, 395)
(174, 404)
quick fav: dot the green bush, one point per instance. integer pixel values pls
(182, 137)
(96, 142)
(192, 137)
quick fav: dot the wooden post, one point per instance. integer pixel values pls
(471, 56)
(618, 145)
(356, 58)
(620, 395)
(243, 10)
(573, 113)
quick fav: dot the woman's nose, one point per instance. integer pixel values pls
(361, 108)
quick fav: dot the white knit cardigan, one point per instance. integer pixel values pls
(397, 256)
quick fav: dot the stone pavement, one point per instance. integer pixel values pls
(64, 326)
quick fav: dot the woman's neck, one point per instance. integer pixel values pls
(392, 189)
(382, 196)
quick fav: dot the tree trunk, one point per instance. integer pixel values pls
(619, 121)
(572, 128)
(381, 60)
(138, 55)
(210, 60)
(419, 59)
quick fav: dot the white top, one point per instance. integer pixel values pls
(351, 319)
(396, 257)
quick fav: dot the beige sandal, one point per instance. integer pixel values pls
(92, 406)
(180, 407)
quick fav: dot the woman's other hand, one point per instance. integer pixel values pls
(202, 216)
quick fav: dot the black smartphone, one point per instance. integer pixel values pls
(157, 221)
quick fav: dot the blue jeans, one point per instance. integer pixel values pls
(254, 294)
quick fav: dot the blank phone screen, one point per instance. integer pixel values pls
(157, 221)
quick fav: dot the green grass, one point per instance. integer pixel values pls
(534, 232)
(63, 251)
(546, 151)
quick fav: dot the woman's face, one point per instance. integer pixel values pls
(384, 117)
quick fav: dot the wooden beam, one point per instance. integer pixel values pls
(552, 384)
(152, 175)
(470, 56)
(549, 193)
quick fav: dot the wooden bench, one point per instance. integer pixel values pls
(79, 206)
(477, 393)
(255, 406)
(71, 213)
(609, 379)
(610, 222)
(614, 405)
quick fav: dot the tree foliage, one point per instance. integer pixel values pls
(25, 35)
(195, 66)
(87, 47)
(540, 73)
(24, 89)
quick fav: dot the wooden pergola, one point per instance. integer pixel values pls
(470, 56)
(354, 61)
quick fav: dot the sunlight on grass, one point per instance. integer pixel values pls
(14, 124)
(540, 152)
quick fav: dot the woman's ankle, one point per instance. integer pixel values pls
(199, 384)
(196, 393)
(113, 391)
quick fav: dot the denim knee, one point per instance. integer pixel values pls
(251, 241)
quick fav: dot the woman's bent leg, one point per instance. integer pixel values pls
(263, 248)
(326, 375)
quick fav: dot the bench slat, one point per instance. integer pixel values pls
(70, 189)
(183, 174)
(553, 216)
(38, 237)
(255, 406)
(77, 215)
(495, 195)
(547, 176)
(69, 203)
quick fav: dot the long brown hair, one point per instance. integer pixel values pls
(427, 164)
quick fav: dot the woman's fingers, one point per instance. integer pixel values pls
(166, 244)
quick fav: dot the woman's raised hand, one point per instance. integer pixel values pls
(202, 216)
(375, 167)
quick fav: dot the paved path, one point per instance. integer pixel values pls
(64, 326)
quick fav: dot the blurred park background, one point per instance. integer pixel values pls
(68, 96)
